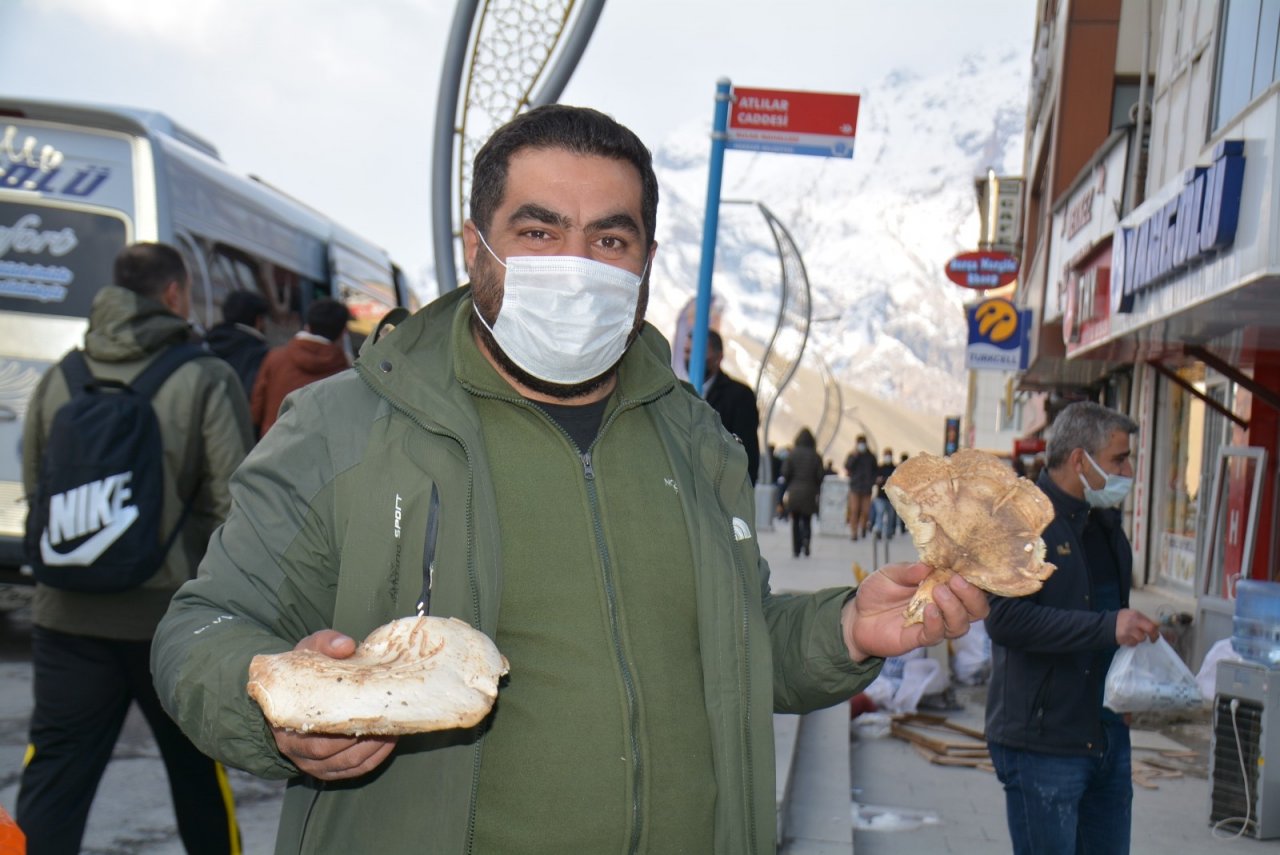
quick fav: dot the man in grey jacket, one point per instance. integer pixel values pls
(91, 651)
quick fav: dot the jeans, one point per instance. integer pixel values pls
(884, 521)
(1068, 805)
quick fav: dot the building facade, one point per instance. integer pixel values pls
(1151, 261)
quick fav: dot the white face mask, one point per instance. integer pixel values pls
(564, 319)
(1112, 493)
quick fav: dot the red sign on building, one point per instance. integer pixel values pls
(984, 269)
(790, 122)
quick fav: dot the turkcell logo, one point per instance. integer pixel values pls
(99, 509)
(1199, 221)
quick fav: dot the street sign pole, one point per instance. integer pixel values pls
(710, 222)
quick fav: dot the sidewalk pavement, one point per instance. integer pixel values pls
(958, 809)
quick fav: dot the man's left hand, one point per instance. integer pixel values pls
(872, 621)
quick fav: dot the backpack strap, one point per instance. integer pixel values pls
(147, 383)
(76, 372)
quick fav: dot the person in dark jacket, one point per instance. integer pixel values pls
(734, 401)
(240, 338)
(803, 475)
(1062, 757)
(313, 354)
(860, 466)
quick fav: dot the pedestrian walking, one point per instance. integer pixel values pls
(803, 475)
(314, 353)
(860, 466)
(91, 649)
(241, 337)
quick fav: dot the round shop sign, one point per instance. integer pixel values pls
(983, 269)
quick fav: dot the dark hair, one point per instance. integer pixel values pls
(244, 307)
(328, 318)
(579, 130)
(804, 439)
(715, 344)
(1086, 425)
(147, 269)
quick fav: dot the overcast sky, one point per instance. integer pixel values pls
(334, 101)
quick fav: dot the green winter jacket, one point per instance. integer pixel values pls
(204, 425)
(328, 527)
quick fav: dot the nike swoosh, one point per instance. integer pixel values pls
(89, 551)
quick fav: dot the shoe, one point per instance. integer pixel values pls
(795, 555)
(806, 550)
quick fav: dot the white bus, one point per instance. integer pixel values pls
(78, 182)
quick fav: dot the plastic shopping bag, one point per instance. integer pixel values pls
(1150, 677)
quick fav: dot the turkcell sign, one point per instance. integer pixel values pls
(997, 336)
(1198, 222)
(789, 122)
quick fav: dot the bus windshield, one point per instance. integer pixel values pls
(54, 260)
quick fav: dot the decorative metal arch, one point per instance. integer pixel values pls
(832, 408)
(795, 314)
(497, 53)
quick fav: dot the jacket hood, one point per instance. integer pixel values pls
(124, 326)
(314, 357)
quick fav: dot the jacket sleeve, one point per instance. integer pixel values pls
(811, 664)
(228, 436)
(267, 581)
(1022, 623)
(33, 434)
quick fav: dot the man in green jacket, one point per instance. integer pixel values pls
(91, 651)
(520, 456)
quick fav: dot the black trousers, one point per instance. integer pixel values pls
(801, 531)
(83, 689)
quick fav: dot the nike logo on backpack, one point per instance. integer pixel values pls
(98, 506)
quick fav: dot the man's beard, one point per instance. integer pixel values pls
(485, 290)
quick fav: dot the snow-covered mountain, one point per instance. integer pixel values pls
(875, 232)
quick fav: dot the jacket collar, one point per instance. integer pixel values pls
(416, 365)
(1065, 506)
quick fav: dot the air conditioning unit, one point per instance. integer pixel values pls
(1244, 761)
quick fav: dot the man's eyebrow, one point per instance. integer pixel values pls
(614, 222)
(530, 211)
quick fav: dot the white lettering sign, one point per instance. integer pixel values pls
(25, 236)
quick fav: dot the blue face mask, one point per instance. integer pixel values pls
(1112, 493)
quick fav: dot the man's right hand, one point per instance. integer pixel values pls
(1133, 627)
(327, 757)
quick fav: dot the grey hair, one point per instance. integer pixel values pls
(1086, 425)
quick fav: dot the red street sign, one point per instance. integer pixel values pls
(984, 269)
(780, 120)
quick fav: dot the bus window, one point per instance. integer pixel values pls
(54, 260)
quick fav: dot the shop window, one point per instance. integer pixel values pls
(1247, 56)
(1123, 100)
(1179, 469)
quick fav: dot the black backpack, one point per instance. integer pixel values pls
(95, 522)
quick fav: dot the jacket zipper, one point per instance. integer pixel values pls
(633, 711)
(633, 708)
(471, 579)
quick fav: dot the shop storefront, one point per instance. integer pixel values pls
(1191, 299)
